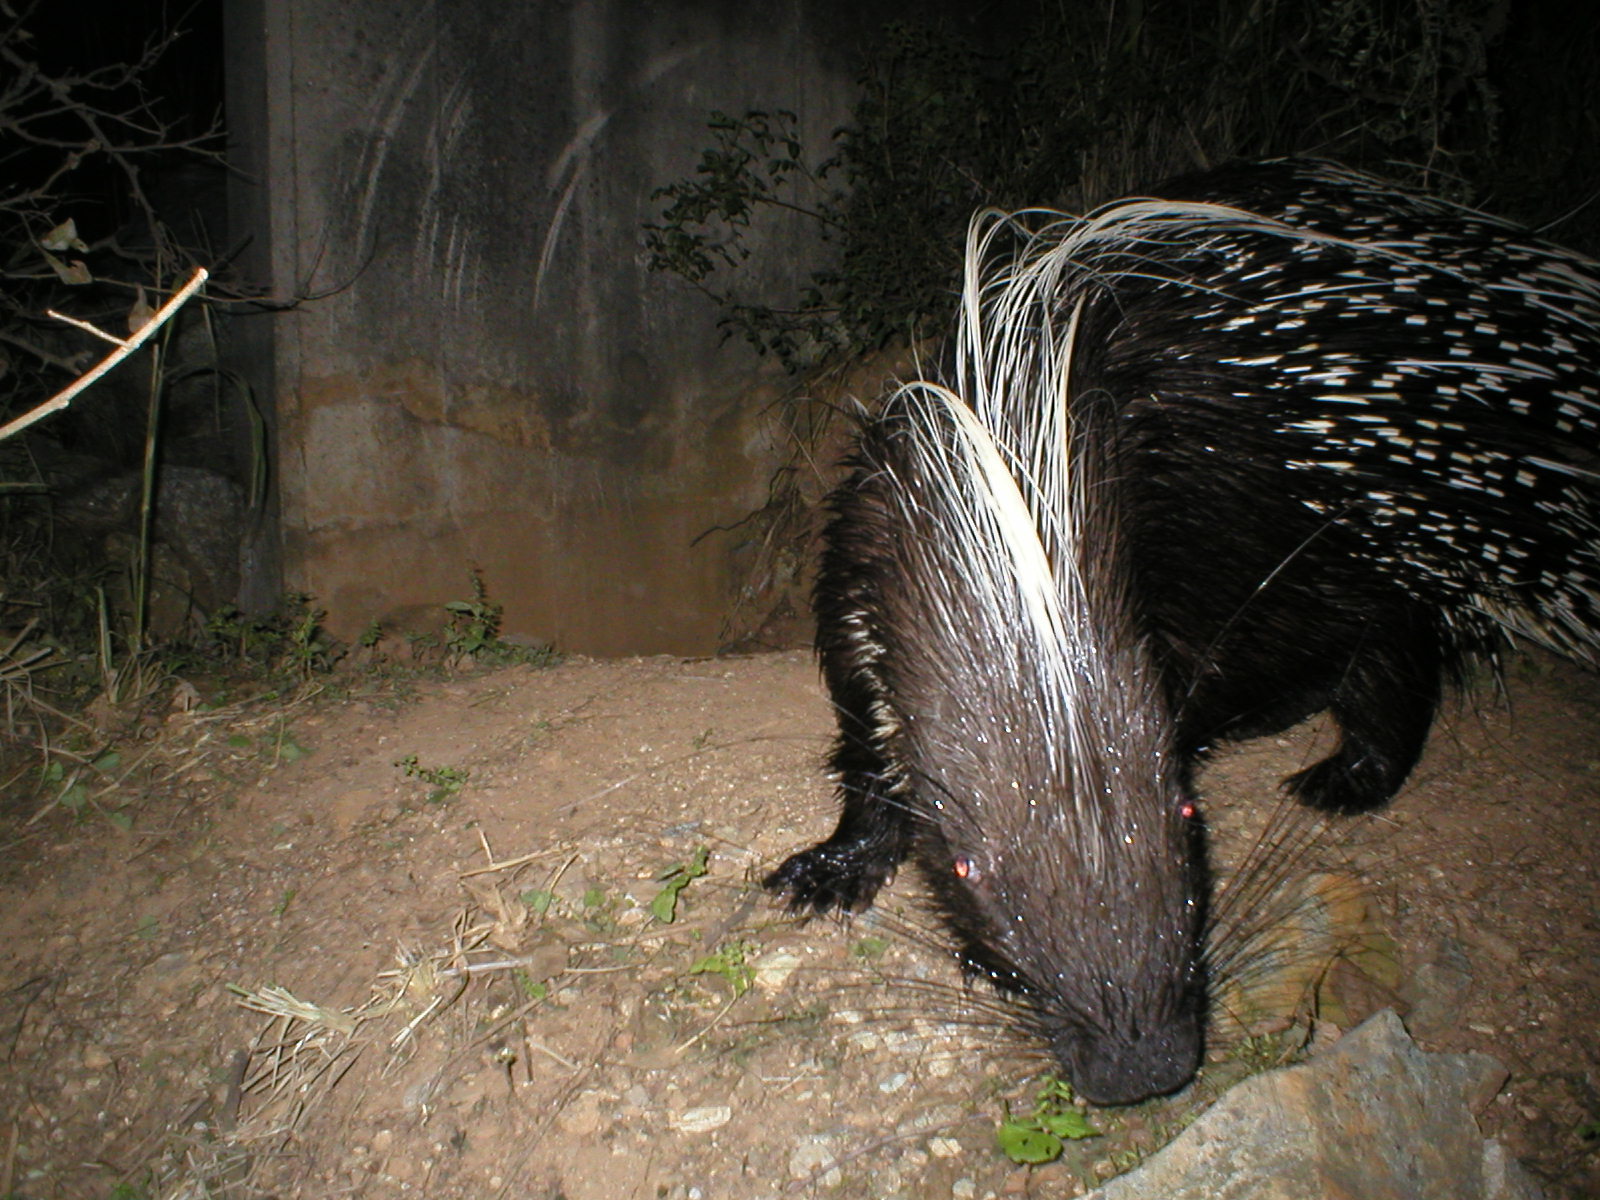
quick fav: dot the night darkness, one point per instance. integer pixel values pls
(433, 599)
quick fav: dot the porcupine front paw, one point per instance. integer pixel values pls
(829, 876)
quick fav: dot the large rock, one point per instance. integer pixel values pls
(1375, 1118)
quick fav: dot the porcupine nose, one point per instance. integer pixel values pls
(1129, 1067)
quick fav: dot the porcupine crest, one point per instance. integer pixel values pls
(1026, 723)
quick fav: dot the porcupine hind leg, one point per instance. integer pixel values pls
(1384, 702)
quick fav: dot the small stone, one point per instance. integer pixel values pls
(700, 1120)
(582, 1117)
(944, 1147)
(772, 970)
(810, 1155)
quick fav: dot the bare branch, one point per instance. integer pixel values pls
(125, 347)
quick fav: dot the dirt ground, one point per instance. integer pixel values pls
(405, 936)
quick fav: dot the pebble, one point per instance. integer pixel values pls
(772, 970)
(812, 1153)
(700, 1120)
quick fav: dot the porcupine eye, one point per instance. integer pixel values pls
(1187, 810)
(966, 869)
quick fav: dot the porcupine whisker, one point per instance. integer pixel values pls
(1246, 940)
(1282, 847)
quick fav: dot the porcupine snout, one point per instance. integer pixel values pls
(1129, 1067)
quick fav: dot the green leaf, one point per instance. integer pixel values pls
(1071, 1124)
(1024, 1144)
(531, 988)
(869, 947)
(664, 907)
(730, 963)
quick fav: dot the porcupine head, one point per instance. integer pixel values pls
(1030, 738)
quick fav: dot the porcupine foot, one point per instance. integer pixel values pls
(846, 870)
(1384, 706)
(1348, 782)
(832, 875)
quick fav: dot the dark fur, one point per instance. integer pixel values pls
(1256, 548)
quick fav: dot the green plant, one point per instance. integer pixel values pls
(869, 948)
(309, 649)
(532, 988)
(1054, 1120)
(446, 782)
(472, 626)
(472, 631)
(756, 162)
(664, 907)
(1069, 107)
(729, 961)
(290, 639)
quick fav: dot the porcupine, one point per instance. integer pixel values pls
(1280, 438)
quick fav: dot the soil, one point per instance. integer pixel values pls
(395, 937)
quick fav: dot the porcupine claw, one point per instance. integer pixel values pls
(828, 877)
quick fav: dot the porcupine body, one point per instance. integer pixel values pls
(1282, 438)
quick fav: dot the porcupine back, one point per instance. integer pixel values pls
(1360, 453)
(1283, 439)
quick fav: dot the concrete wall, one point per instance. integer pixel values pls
(482, 372)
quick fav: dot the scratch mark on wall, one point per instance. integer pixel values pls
(448, 269)
(389, 107)
(573, 161)
(551, 235)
